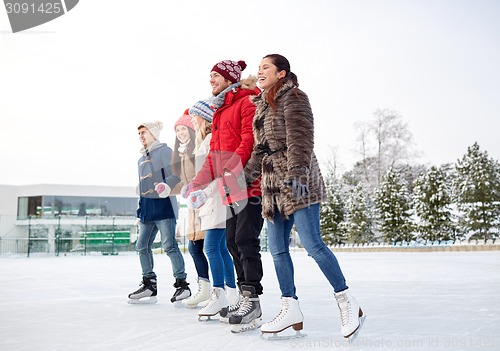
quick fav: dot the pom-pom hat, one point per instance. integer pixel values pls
(153, 127)
(203, 109)
(231, 70)
(184, 120)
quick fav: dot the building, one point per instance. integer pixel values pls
(54, 218)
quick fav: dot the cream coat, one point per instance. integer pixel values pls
(213, 212)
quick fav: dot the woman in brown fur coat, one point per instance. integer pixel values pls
(292, 190)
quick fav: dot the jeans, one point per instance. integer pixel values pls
(195, 248)
(147, 235)
(221, 264)
(307, 223)
(242, 238)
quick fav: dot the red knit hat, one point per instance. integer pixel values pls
(230, 70)
(185, 120)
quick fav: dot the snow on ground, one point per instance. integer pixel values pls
(413, 301)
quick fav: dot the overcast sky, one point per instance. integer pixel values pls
(74, 90)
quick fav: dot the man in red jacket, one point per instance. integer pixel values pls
(230, 149)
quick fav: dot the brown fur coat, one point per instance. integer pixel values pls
(283, 149)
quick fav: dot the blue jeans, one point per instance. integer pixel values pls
(147, 235)
(195, 248)
(221, 263)
(307, 223)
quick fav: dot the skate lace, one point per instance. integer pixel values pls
(213, 299)
(245, 307)
(345, 308)
(198, 293)
(283, 312)
(141, 289)
(237, 305)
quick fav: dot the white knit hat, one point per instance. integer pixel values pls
(153, 127)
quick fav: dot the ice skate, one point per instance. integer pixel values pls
(182, 292)
(351, 315)
(217, 302)
(228, 311)
(233, 295)
(146, 294)
(201, 295)
(289, 316)
(248, 316)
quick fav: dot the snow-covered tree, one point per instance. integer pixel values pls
(477, 192)
(358, 222)
(332, 212)
(432, 201)
(393, 206)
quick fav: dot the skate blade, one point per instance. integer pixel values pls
(240, 328)
(224, 320)
(189, 305)
(277, 336)
(143, 301)
(354, 335)
(206, 318)
(178, 299)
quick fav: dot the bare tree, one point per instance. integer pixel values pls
(384, 142)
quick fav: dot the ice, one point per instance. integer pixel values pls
(413, 301)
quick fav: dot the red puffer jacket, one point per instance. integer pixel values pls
(231, 146)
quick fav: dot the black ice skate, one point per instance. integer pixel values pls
(228, 311)
(182, 292)
(146, 294)
(249, 315)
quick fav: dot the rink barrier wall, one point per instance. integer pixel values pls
(479, 245)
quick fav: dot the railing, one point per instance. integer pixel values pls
(26, 247)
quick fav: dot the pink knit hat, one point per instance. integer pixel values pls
(230, 70)
(185, 120)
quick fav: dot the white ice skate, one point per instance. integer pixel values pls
(203, 294)
(351, 315)
(289, 316)
(232, 294)
(217, 302)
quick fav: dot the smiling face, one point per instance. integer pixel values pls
(182, 133)
(268, 74)
(218, 83)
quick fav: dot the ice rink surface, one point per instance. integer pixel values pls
(413, 301)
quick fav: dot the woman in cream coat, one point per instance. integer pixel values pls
(213, 220)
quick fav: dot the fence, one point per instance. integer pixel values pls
(26, 247)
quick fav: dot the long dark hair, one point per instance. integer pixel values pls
(281, 64)
(176, 157)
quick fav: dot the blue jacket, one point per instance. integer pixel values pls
(154, 167)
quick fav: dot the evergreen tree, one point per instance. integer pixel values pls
(477, 192)
(393, 208)
(332, 213)
(358, 222)
(432, 200)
